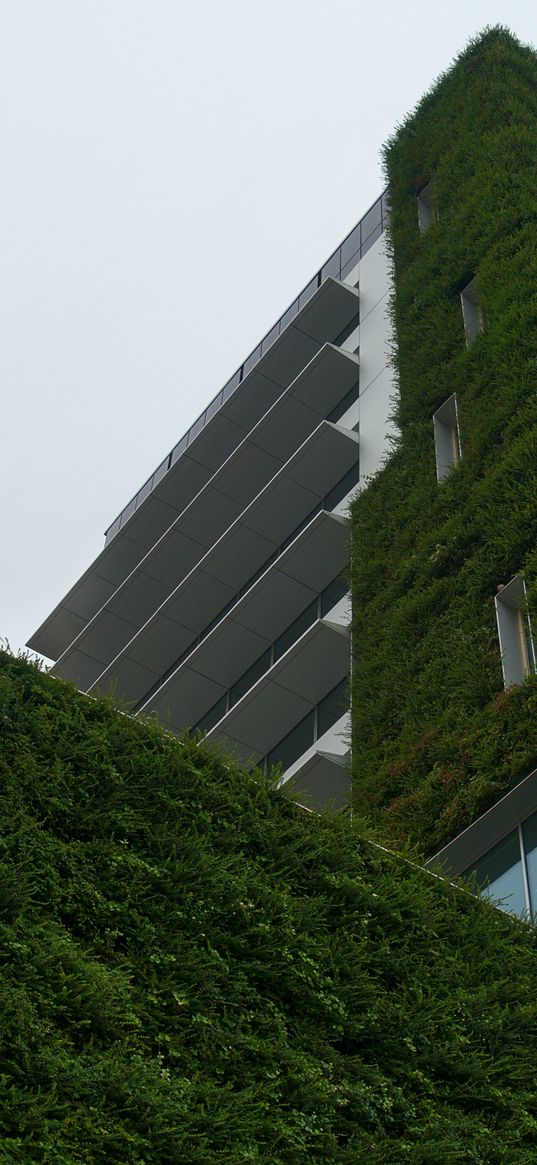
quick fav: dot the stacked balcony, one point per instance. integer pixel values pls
(185, 612)
(218, 602)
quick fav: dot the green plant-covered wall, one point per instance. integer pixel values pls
(436, 739)
(195, 971)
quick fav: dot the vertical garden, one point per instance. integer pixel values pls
(436, 739)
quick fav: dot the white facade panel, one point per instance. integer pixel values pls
(376, 405)
(375, 278)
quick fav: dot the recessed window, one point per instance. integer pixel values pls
(472, 311)
(514, 632)
(426, 209)
(507, 873)
(500, 876)
(447, 444)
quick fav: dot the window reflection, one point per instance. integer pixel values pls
(529, 835)
(499, 875)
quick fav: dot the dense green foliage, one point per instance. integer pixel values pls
(196, 971)
(435, 738)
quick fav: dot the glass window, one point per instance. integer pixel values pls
(529, 834)
(179, 448)
(308, 292)
(301, 526)
(346, 403)
(499, 874)
(161, 471)
(347, 330)
(446, 437)
(295, 630)
(331, 595)
(213, 715)
(294, 744)
(472, 311)
(426, 208)
(348, 266)
(332, 707)
(213, 407)
(251, 362)
(332, 266)
(128, 511)
(113, 529)
(527, 640)
(343, 487)
(514, 632)
(271, 337)
(372, 238)
(196, 428)
(350, 247)
(372, 221)
(144, 492)
(250, 677)
(231, 385)
(289, 315)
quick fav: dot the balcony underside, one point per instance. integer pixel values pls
(253, 624)
(321, 777)
(120, 631)
(286, 694)
(322, 319)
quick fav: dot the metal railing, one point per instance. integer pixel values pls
(344, 258)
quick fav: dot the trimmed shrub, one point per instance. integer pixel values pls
(195, 971)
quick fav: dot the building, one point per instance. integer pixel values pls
(445, 563)
(219, 600)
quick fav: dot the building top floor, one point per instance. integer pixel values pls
(337, 267)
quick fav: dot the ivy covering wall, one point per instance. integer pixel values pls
(195, 971)
(436, 738)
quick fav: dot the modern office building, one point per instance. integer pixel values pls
(219, 600)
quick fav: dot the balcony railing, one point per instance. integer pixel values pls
(338, 266)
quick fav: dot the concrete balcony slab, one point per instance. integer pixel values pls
(284, 695)
(244, 547)
(206, 506)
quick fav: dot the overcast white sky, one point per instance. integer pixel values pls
(172, 174)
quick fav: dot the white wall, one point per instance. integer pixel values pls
(377, 381)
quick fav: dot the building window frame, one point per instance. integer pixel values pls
(447, 437)
(512, 819)
(473, 311)
(427, 214)
(515, 633)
